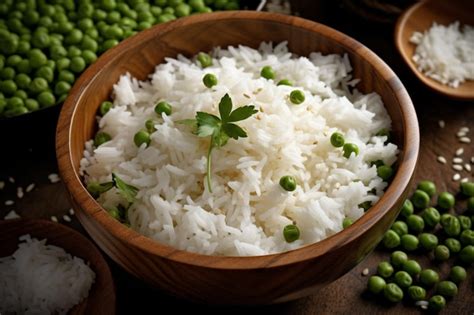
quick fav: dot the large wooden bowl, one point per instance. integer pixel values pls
(211, 279)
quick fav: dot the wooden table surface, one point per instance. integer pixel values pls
(347, 295)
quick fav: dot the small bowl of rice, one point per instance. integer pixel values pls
(238, 157)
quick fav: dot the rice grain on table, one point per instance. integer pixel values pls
(54, 218)
(67, 218)
(457, 167)
(12, 215)
(247, 210)
(467, 167)
(457, 160)
(465, 140)
(456, 177)
(2, 185)
(30, 187)
(459, 151)
(441, 159)
(19, 192)
(441, 123)
(9, 202)
(54, 178)
(11, 180)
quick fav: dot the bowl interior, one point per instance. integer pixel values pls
(101, 297)
(140, 54)
(420, 18)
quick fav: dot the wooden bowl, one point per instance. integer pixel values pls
(419, 18)
(232, 280)
(101, 299)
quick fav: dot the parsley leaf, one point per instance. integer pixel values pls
(95, 189)
(220, 129)
(127, 191)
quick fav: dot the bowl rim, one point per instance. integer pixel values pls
(407, 160)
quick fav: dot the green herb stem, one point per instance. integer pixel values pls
(209, 152)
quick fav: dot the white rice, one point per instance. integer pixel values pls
(247, 210)
(445, 53)
(42, 279)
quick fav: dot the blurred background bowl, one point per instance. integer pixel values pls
(101, 297)
(231, 280)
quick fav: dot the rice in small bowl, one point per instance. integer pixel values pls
(287, 273)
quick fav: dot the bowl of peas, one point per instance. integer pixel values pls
(46, 45)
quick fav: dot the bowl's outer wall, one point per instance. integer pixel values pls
(266, 279)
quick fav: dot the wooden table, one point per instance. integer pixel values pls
(346, 295)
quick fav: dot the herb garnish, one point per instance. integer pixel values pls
(220, 129)
(127, 191)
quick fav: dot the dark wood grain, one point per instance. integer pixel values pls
(213, 279)
(101, 298)
(420, 18)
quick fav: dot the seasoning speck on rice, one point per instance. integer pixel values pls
(247, 211)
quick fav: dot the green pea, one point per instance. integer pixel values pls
(383, 133)
(22, 80)
(436, 303)
(16, 111)
(113, 32)
(412, 267)
(165, 17)
(109, 44)
(63, 64)
(107, 5)
(23, 47)
(204, 59)
(446, 200)
(420, 199)
(430, 216)
(400, 227)
(21, 94)
(407, 208)
(285, 82)
(144, 25)
(31, 104)
(142, 137)
(66, 75)
(40, 40)
(88, 43)
(365, 205)
(393, 293)
(429, 277)
(15, 102)
(451, 225)
(291, 233)
(163, 107)
(467, 189)
(346, 222)
(209, 80)
(391, 239)
(415, 223)
(197, 4)
(78, 64)
(45, 72)
(470, 205)
(37, 58)
(453, 245)
(267, 73)
(89, 56)
(85, 23)
(105, 107)
(288, 183)
(376, 284)
(13, 60)
(46, 99)
(398, 258)
(297, 97)
(385, 172)
(62, 87)
(457, 274)
(428, 241)
(428, 187)
(465, 222)
(24, 66)
(38, 85)
(113, 17)
(350, 148)
(447, 288)
(7, 73)
(337, 139)
(8, 87)
(150, 126)
(416, 293)
(409, 242)
(441, 253)
(101, 138)
(467, 237)
(385, 269)
(467, 254)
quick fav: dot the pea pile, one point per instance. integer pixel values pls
(45, 45)
(440, 236)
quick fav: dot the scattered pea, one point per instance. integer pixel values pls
(409, 242)
(446, 200)
(291, 233)
(267, 73)
(407, 208)
(428, 241)
(204, 59)
(467, 237)
(337, 139)
(385, 172)
(350, 148)
(447, 288)
(415, 223)
(400, 227)
(431, 216)
(142, 137)
(420, 199)
(288, 183)
(429, 277)
(376, 284)
(209, 80)
(436, 303)
(412, 267)
(391, 239)
(465, 222)
(457, 274)
(385, 269)
(453, 245)
(104, 108)
(441, 253)
(285, 82)
(467, 254)
(398, 258)
(297, 97)
(393, 293)
(467, 189)
(163, 107)
(416, 293)
(101, 138)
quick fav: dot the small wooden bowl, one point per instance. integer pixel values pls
(419, 18)
(101, 299)
(244, 280)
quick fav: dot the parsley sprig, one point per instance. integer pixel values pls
(220, 129)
